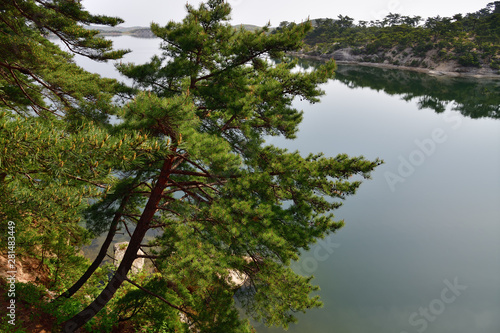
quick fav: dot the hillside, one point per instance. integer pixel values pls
(461, 44)
(143, 32)
(139, 32)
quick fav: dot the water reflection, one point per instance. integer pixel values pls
(474, 98)
(398, 248)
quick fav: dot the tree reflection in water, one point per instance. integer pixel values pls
(472, 97)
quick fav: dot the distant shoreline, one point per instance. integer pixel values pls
(142, 32)
(448, 69)
(464, 71)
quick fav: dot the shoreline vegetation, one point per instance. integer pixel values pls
(187, 161)
(55, 188)
(341, 56)
(450, 69)
(138, 32)
(463, 45)
(142, 32)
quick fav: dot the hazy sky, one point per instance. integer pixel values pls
(259, 12)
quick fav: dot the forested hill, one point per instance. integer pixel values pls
(142, 32)
(462, 43)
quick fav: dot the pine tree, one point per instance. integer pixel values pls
(36, 76)
(222, 199)
(57, 149)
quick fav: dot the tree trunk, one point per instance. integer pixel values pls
(130, 254)
(100, 256)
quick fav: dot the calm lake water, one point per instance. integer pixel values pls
(420, 251)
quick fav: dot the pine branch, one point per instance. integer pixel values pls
(87, 181)
(159, 297)
(234, 65)
(28, 96)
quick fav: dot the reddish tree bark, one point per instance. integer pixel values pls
(120, 275)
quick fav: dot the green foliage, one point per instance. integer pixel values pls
(188, 159)
(495, 64)
(58, 152)
(55, 152)
(436, 93)
(63, 308)
(50, 174)
(465, 39)
(232, 203)
(469, 59)
(36, 75)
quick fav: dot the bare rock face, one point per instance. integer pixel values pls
(120, 249)
(237, 278)
(343, 55)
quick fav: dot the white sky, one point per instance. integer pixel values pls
(259, 12)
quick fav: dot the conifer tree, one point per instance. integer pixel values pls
(222, 200)
(36, 76)
(57, 149)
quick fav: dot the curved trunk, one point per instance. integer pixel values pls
(100, 256)
(130, 254)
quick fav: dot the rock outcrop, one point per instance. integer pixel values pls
(405, 60)
(120, 249)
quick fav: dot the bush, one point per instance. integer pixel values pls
(421, 49)
(469, 60)
(356, 51)
(443, 44)
(442, 53)
(495, 64)
(415, 63)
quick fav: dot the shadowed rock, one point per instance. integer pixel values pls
(120, 249)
